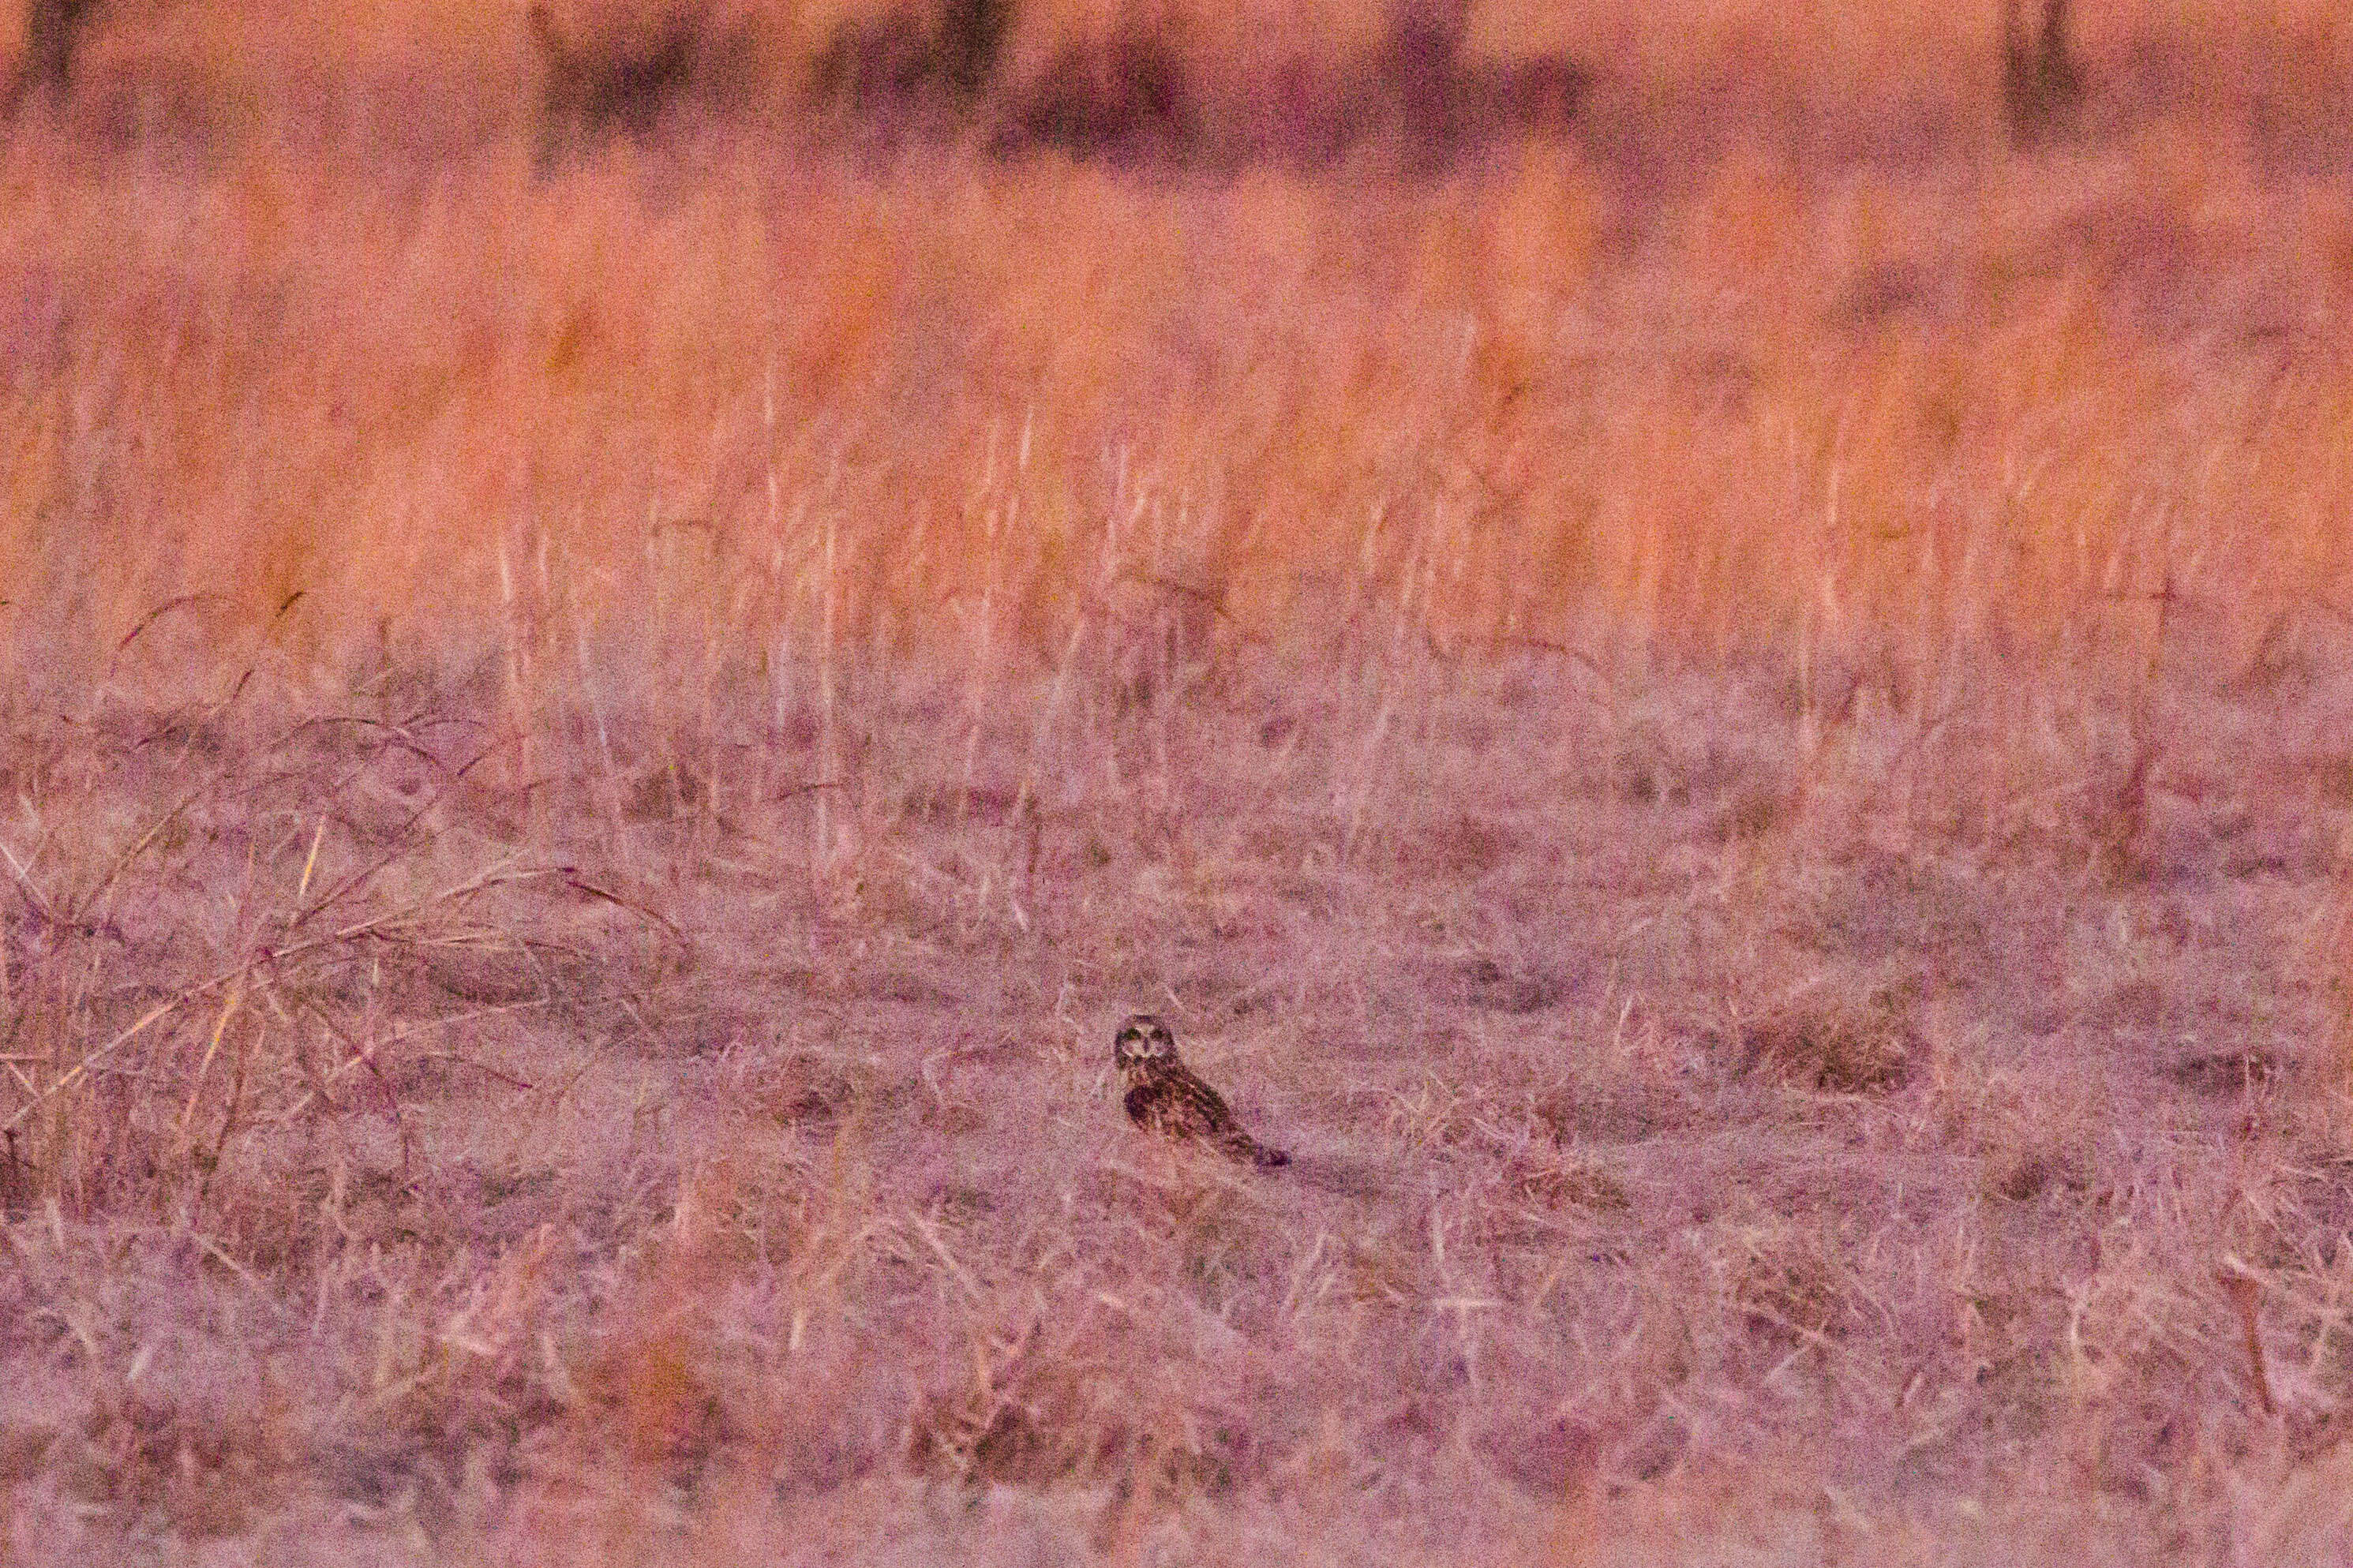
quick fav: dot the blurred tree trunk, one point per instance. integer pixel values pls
(2041, 82)
(53, 30)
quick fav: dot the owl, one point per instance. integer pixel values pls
(1164, 1096)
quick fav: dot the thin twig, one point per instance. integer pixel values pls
(41, 905)
(2245, 1288)
(157, 614)
(81, 1069)
(574, 880)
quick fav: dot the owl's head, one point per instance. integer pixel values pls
(1143, 1042)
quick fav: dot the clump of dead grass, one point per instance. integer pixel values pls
(199, 1470)
(1789, 1283)
(1570, 1184)
(1053, 1403)
(1830, 1039)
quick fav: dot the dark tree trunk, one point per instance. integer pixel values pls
(971, 33)
(2041, 82)
(53, 30)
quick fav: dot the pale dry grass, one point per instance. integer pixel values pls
(580, 1169)
(1732, 724)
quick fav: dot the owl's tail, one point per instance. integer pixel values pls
(1266, 1157)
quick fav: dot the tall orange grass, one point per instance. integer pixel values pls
(736, 394)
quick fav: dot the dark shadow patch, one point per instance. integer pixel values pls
(1486, 984)
(2229, 1072)
(903, 986)
(1125, 99)
(804, 1089)
(612, 81)
(1616, 1113)
(992, 806)
(1459, 845)
(2036, 1173)
(486, 976)
(1557, 1184)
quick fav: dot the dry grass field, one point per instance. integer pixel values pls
(1732, 714)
